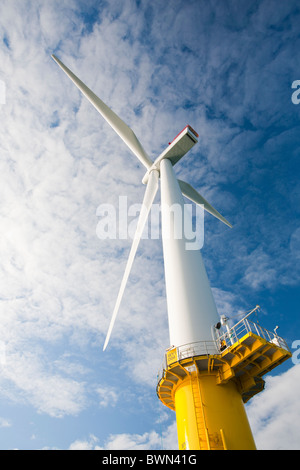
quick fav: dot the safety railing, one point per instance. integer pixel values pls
(246, 326)
(199, 348)
(222, 342)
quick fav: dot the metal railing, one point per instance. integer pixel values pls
(246, 326)
(221, 343)
(199, 348)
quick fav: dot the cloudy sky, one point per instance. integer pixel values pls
(227, 69)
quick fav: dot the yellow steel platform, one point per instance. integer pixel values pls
(245, 362)
(206, 384)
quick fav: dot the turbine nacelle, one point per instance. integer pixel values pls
(182, 143)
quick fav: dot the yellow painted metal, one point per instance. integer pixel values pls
(210, 416)
(244, 362)
(254, 351)
(171, 356)
(208, 392)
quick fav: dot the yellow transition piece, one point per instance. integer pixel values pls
(208, 392)
(211, 417)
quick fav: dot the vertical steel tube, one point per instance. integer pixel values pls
(191, 308)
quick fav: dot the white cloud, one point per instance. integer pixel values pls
(88, 444)
(260, 272)
(274, 414)
(27, 379)
(107, 396)
(147, 441)
(5, 423)
(226, 302)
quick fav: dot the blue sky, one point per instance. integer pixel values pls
(225, 68)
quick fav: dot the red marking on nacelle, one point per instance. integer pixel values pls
(190, 128)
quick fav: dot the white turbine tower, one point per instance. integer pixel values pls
(201, 387)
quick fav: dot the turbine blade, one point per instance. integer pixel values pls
(119, 126)
(149, 196)
(193, 195)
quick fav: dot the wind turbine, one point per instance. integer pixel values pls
(182, 278)
(192, 312)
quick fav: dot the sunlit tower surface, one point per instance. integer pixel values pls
(212, 367)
